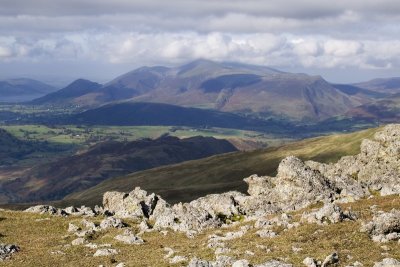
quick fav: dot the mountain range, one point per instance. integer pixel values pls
(228, 87)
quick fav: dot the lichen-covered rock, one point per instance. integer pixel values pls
(384, 227)
(329, 213)
(129, 239)
(105, 252)
(7, 250)
(295, 186)
(42, 209)
(111, 222)
(136, 204)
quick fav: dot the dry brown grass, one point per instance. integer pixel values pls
(38, 239)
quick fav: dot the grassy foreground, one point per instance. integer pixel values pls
(44, 241)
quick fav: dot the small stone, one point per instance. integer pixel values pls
(105, 252)
(130, 239)
(79, 241)
(177, 259)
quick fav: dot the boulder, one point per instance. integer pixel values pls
(42, 209)
(329, 213)
(136, 204)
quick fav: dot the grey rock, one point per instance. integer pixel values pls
(329, 213)
(129, 238)
(330, 260)
(6, 250)
(384, 227)
(42, 209)
(136, 204)
(310, 262)
(177, 259)
(111, 222)
(241, 263)
(388, 262)
(72, 228)
(104, 252)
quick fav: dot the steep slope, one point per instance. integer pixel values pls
(187, 181)
(18, 90)
(225, 86)
(71, 174)
(382, 85)
(69, 94)
(128, 113)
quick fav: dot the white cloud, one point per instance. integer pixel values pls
(280, 33)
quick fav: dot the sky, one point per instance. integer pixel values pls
(61, 40)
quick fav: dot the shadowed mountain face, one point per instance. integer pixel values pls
(18, 90)
(157, 114)
(71, 174)
(229, 87)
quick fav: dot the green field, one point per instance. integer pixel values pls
(69, 134)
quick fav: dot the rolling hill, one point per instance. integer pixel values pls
(69, 94)
(19, 90)
(382, 85)
(54, 180)
(229, 87)
(221, 173)
(128, 113)
(384, 110)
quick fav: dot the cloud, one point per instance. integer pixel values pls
(280, 33)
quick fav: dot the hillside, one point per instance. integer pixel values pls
(187, 181)
(229, 87)
(54, 180)
(382, 85)
(69, 94)
(19, 90)
(385, 110)
(345, 213)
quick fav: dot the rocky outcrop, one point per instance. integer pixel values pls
(7, 250)
(374, 169)
(384, 227)
(296, 185)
